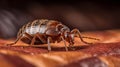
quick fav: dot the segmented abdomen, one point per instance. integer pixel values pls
(34, 27)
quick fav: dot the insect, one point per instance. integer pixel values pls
(43, 31)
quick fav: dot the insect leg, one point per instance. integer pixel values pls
(90, 38)
(33, 40)
(48, 42)
(41, 37)
(76, 31)
(64, 43)
(15, 41)
(58, 26)
(28, 36)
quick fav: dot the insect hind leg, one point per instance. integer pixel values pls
(15, 41)
(19, 38)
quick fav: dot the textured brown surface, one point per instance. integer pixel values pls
(103, 53)
(103, 49)
(16, 61)
(88, 62)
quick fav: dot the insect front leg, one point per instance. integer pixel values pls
(76, 31)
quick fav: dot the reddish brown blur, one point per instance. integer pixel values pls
(84, 15)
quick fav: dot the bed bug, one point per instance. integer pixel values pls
(43, 31)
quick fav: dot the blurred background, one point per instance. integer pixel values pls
(84, 15)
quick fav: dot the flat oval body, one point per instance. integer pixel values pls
(43, 26)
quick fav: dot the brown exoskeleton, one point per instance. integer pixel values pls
(47, 31)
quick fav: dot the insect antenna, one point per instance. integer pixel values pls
(90, 38)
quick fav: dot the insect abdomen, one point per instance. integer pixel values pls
(34, 27)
